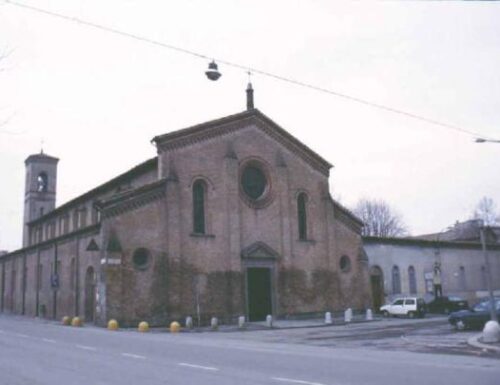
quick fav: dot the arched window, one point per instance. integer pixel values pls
(302, 215)
(461, 278)
(396, 280)
(42, 182)
(412, 280)
(72, 274)
(484, 278)
(199, 189)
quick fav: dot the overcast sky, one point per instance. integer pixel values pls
(97, 99)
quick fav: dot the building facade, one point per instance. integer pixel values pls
(232, 217)
(452, 261)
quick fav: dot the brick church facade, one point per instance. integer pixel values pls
(232, 217)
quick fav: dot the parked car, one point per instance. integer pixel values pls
(474, 318)
(447, 305)
(408, 306)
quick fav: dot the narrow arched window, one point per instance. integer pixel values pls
(302, 216)
(412, 280)
(396, 280)
(199, 207)
(42, 182)
(484, 278)
(461, 278)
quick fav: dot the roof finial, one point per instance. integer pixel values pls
(41, 146)
(250, 105)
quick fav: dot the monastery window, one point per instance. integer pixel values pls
(66, 224)
(396, 280)
(302, 216)
(462, 285)
(42, 182)
(75, 220)
(39, 279)
(345, 263)
(82, 217)
(412, 280)
(72, 274)
(52, 229)
(96, 215)
(41, 211)
(484, 278)
(141, 258)
(199, 195)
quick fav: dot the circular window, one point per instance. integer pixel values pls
(254, 182)
(345, 263)
(141, 258)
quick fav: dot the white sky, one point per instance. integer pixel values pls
(97, 99)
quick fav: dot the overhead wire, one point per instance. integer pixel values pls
(248, 69)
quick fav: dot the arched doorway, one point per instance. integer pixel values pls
(377, 286)
(89, 303)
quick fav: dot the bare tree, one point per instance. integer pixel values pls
(380, 219)
(486, 210)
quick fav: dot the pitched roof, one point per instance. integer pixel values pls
(232, 123)
(139, 169)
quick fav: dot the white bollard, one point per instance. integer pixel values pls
(214, 323)
(328, 318)
(369, 315)
(189, 322)
(269, 321)
(491, 332)
(241, 322)
(348, 315)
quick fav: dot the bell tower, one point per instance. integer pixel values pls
(40, 189)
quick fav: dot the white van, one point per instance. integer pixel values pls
(408, 306)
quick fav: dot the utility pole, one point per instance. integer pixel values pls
(493, 313)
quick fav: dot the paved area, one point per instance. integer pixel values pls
(37, 353)
(432, 334)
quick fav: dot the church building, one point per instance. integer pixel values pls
(232, 217)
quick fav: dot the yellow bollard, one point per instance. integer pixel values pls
(112, 324)
(66, 321)
(143, 326)
(175, 327)
(76, 321)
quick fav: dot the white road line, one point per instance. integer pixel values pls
(49, 340)
(198, 366)
(84, 347)
(134, 356)
(291, 380)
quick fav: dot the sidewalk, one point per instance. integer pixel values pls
(475, 341)
(282, 324)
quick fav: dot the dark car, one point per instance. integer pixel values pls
(447, 305)
(474, 318)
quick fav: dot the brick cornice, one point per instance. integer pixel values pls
(130, 200)
(230, 124)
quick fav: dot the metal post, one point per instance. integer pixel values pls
(493, 313)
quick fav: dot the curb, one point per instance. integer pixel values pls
(474, 341)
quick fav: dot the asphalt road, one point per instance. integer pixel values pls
(35, 352)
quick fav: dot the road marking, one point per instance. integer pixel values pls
(198, 366)
(84, 347)
(49, 340)
(295, 381)
(134, 356)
